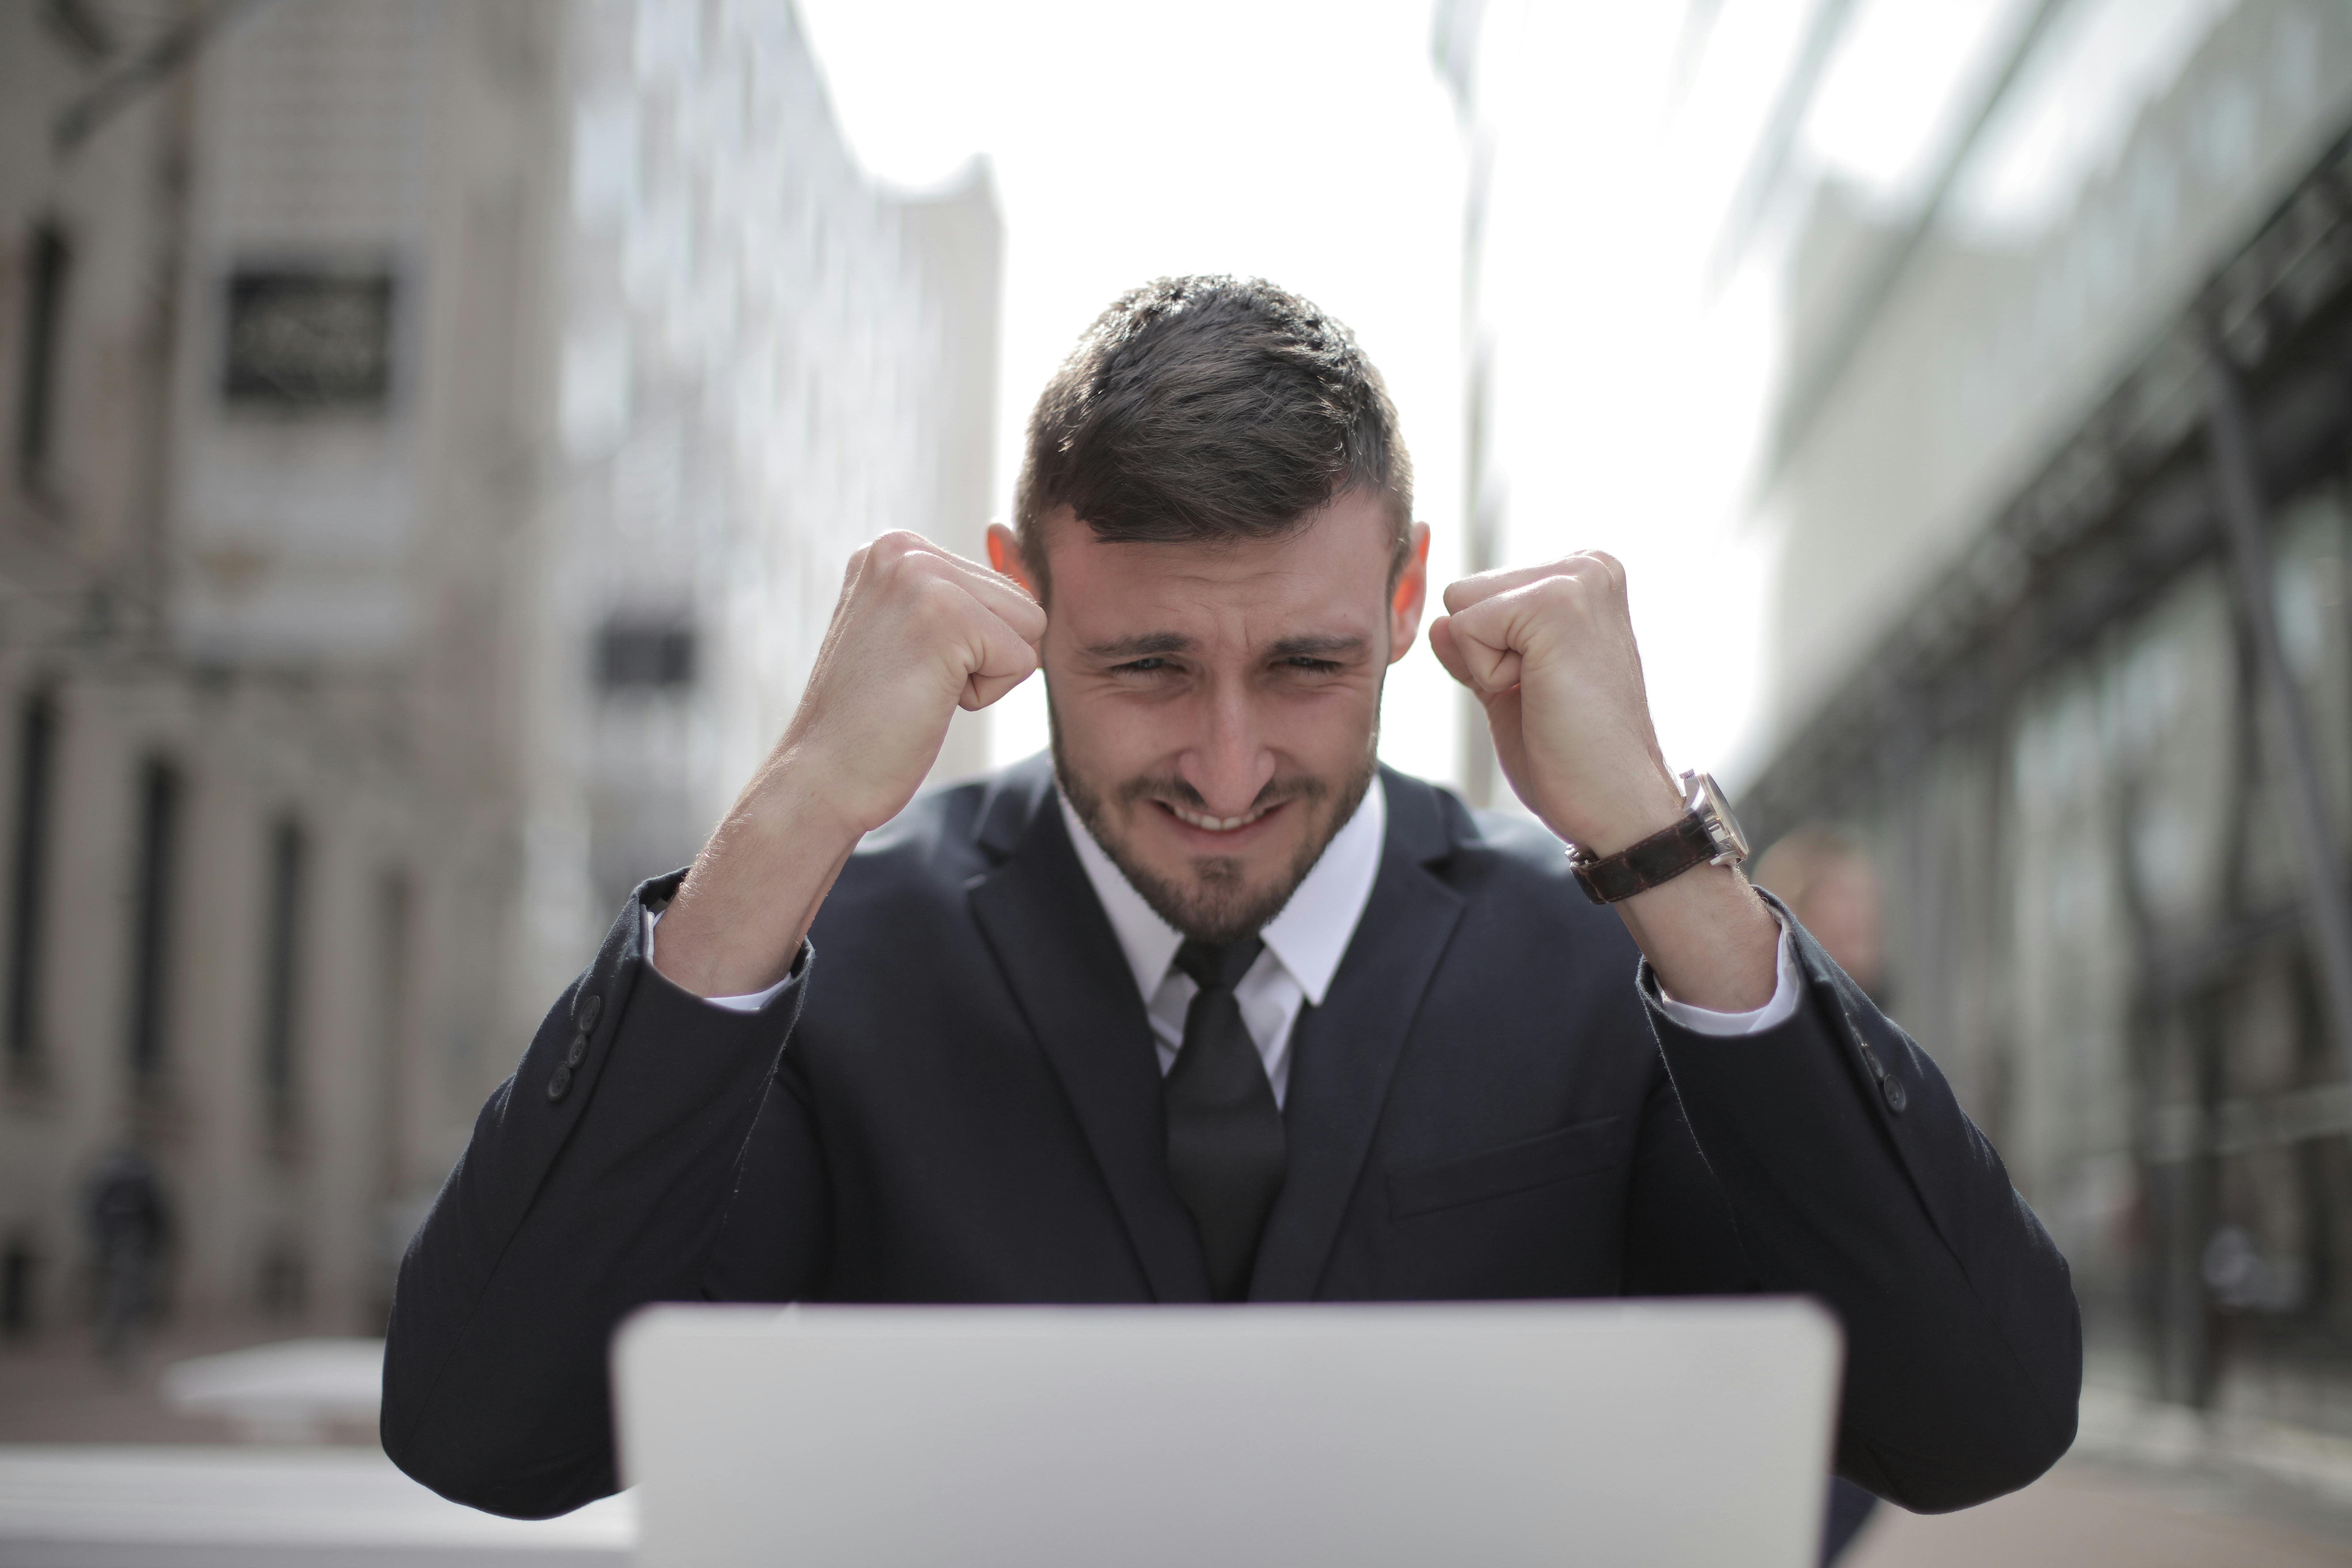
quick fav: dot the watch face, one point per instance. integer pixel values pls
(1721, 825)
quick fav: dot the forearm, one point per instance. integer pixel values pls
(1710, 937)
(739, 919)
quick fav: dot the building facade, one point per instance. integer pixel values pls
(435, 435)
(2063, 641)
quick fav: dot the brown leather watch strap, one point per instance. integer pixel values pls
(1661, 858)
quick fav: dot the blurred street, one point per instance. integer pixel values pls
(65, 1391)
(2142, 1489)
(2083, 1515)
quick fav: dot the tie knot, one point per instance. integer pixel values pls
(1218, 968)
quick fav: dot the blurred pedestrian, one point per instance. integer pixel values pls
(1830, 885)
(128, 1225)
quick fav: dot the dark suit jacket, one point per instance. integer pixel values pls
(957, 1100)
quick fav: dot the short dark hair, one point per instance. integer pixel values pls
(1210, 408)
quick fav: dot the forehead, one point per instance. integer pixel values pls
(1332, 571)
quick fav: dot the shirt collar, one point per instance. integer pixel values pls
(1307, 938)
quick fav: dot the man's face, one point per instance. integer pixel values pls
(1216, 706)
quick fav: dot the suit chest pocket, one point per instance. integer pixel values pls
(1458, 1179)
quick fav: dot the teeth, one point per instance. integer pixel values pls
(1216, 824)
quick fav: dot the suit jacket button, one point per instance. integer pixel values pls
(579, 1051)
(591, 1008)
(559, 1083)
(1892, 1088)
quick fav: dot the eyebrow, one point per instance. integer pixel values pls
(1152, 645)
(1145, 645)
(1328, 646)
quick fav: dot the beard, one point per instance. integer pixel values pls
(1215, 904)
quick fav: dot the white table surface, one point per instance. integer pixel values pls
(97, 1506)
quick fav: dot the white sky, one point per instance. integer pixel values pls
(1311, 141)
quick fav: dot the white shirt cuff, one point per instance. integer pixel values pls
(1787, 992)
(758, 999)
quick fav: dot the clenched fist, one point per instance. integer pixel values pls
(1548, 650)
(917, 633)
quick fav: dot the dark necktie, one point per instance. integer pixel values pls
(1225, 1150)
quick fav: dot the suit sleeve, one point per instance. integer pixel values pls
(1853, 1176)
(599, 1177)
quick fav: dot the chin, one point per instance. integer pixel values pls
(1221, 899)
(1243, 870)
(1214, 884)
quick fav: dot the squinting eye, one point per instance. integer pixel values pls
(1145, 665)
(1313, 665)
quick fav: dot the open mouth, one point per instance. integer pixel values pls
(1208, 823)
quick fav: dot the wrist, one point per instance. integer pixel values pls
(1712, 942)
(806, 792)
(1645, 806)
(736, 925)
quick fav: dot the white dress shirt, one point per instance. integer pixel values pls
(1303, 945)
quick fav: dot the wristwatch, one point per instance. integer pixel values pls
(1705, 835)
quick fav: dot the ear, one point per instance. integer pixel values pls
(1412, 593)
(1004, 557)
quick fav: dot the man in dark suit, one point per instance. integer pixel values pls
(1211, 1008)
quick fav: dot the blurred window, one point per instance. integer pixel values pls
(282, 972)
(50, 263)
(37, 742)
(644, 654)
(161, 794)
(309, 340)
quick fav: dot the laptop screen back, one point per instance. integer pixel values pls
(1606, 1432)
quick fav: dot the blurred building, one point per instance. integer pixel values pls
(2063, 637)
(435, 435)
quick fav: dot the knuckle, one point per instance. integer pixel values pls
(895, 548)
(923, 575)
(1561, 590)
(1602, 566)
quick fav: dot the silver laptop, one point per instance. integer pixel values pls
(1601, 1432)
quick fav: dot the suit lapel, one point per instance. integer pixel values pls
(1049, 935)
(1342, 1054)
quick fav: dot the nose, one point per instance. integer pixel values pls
(1229, 761)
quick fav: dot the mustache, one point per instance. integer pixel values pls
(1169, 787)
